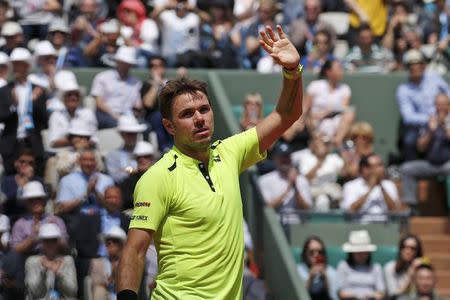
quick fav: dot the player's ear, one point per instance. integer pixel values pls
(168, 125)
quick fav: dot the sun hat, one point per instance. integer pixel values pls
(69, 85)
(4, 224)
(4, 59)
(111, 26)
(62, 77)
(20, 54)
(143, 149)
(44, 48)
(114, 232)
(128, 123)
(49, 231)
(58, 25)
(11, 28)
(413, 56)
(359, 241)
(126, 54)
(79, 128)
(33, 189)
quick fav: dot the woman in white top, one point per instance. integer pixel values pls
(399, 273)
(327, 103)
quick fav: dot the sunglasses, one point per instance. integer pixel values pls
(315, 252)
(26, 161)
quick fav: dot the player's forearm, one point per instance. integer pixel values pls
(131, 268)
(289, 104)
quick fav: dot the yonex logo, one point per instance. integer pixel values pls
(139, 218)
(142, 204)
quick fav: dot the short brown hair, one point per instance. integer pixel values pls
(177, 87)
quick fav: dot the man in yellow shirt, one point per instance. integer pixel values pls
(189, 202)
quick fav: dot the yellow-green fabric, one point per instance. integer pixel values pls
(198, 226)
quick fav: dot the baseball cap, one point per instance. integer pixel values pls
(11, 28)
(282, 148)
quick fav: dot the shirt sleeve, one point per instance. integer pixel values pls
(391, 189)
(57, 128)
(390, 280)
(97, 86)
(151, 201)
(349, 196)
(379, 284)
(304, 189)
(65, 191)
(406, 107)
(245, 147)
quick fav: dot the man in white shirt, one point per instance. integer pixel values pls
(370, 195)
(116, 92)
(284, 189)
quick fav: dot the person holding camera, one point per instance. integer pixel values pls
(434, 145)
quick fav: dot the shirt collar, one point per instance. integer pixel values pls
(187, 160)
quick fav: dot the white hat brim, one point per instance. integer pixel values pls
(351, 248)
(133, 129)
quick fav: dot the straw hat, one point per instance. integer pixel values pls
(359, 241)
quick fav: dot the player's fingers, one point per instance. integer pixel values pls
(272, 35)
(281, 33)
(266, 47)
(266, 39)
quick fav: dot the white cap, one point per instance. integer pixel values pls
(111, 26)
(4, 59)
(143, 149)
(359, 241)
(62, 77)
(20, 54)
(128, 123)
(413, 56)
(114, 232)
(44, 48)
(11, 28)
(49, 231)
(79, 128)
(126, 54)
(4, 223)
(33, 189)
(58, 25)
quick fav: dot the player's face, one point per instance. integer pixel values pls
(192, 123)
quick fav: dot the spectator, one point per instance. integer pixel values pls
(116, 92)
(145, 156)
(424, 284)
(12, 185)
(120, 161)
(370, 195)
(180, 28)
(358, 277)
(303, 30)
(101, 50)
(319, 277)
(4, 69)
(367, 56)
(59, 122)
(23, 111)
(399, 273)
(327, 103)
(46, 57)
(23, 237)
(367, 13)
(103, 270)
(13, 34)
(84, 27)
(4, 12)
(434, 146)
(415, 99)
(284, 189)
(321, 168)
(253, 111)
(51, 273)
(360, 144)
(321, 52)
(244, 11)
(82, 190)
(144, 31)
(67, 55)
(149, 94)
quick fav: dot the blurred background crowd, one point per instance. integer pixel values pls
(71, 156)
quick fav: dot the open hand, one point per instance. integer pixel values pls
(279, 48)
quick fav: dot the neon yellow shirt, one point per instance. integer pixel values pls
(376, 11)
(197, 218)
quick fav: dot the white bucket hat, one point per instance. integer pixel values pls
(11, 28)
(58, 25)
(69, 85)
(4, 59)
(126, 54)
(20, 54)
(79, 128)
(33, 189)
(62, 78)
(359, 241)
(143, 149)
(49, 231)
(44, 48)
(111, 26)
(114, 232)
(413, 56)
(4, 224)
(128, 123)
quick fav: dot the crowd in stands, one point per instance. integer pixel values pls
(66, 201)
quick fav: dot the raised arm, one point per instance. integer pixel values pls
(289, 105)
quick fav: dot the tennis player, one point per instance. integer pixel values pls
(189, 202)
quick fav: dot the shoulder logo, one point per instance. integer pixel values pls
(142, 204)
(215, 144)
(216, 158)
(139, 218)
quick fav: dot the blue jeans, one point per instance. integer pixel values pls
(105, 120)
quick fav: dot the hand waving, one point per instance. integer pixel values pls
(280, 48)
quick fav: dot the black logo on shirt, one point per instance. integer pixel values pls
(142, 204)
(139, 218)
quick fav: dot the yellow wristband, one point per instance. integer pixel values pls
(294, 74)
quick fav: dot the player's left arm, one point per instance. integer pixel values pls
(289, 105)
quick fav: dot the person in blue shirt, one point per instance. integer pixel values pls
(415, 99)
